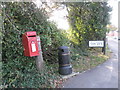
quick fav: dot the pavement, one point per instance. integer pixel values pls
(119, 64)
(103, 76)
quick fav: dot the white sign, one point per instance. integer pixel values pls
(33, 47)
(96, 43)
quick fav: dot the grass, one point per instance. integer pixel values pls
(94, 58)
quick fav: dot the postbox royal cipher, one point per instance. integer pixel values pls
(30, 44)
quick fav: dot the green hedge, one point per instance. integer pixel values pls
(19, 70)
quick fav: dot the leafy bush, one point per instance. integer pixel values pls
(19, 70)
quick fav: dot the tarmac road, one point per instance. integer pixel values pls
(102, 76)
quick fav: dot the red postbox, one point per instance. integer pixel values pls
(30, 44)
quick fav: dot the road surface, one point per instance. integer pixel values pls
(102, 76)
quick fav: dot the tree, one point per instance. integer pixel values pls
(88, 21)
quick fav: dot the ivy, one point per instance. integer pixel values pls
(19, 70)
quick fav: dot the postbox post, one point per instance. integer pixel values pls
(39, 58)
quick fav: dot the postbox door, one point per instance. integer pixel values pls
(33, 47)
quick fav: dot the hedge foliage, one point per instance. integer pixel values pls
(19, 70)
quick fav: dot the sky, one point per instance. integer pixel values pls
(59, 15)
(60, 18)
(114, 13)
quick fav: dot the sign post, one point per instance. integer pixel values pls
(39, 59)
(104, 48)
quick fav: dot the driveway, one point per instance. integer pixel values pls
(102, 76)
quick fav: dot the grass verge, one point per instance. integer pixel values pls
(94, 58)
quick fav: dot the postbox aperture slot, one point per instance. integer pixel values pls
(32, 36)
